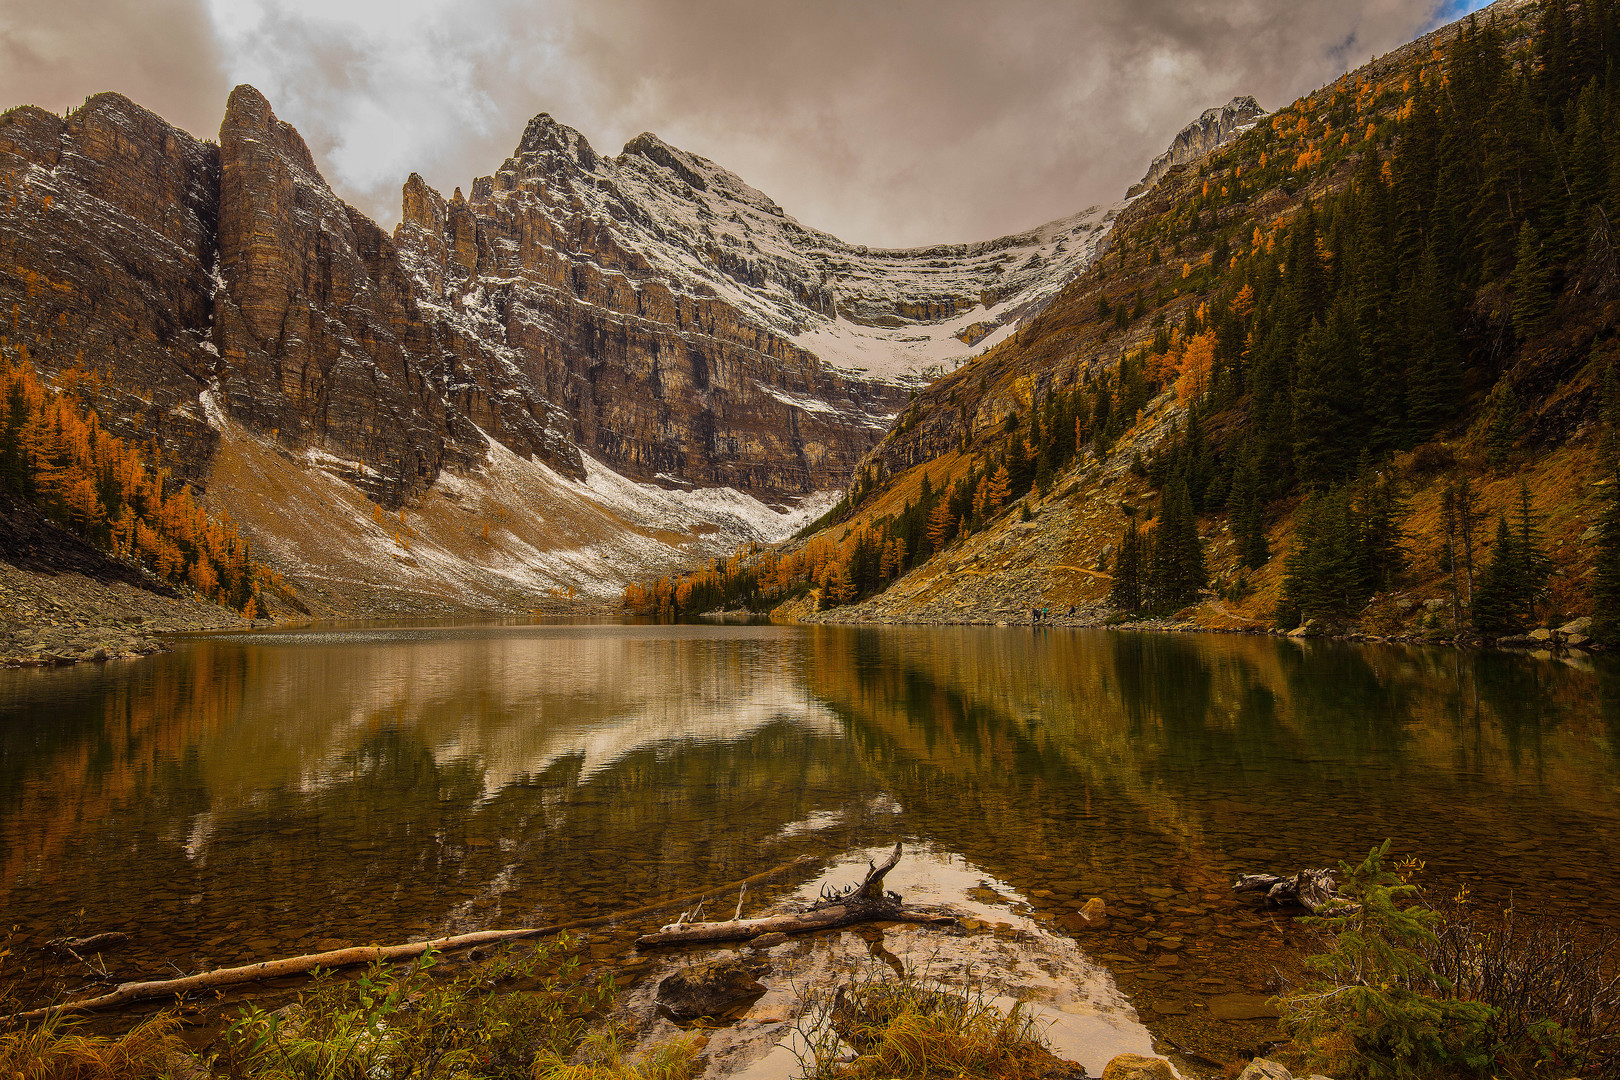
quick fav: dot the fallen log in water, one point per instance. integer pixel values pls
(866, 902)
(131, 992)
(1314, 890)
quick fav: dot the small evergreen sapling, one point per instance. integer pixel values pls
(1377, 1007)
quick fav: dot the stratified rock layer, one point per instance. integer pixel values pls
(107, 236)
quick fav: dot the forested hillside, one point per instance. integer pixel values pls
(1347, 370)
(55, 455)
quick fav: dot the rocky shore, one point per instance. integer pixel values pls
(67, 618)
(992, 607)
(63, 602)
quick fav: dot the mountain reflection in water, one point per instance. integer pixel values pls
(259, 795)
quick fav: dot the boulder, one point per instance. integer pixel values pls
(1265, 1069)
(1137, 1067)
(1582, 625)
(1541, 635)
(710, 989)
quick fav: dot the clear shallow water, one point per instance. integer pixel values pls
(261, 795)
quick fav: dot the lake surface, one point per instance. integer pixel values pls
(260, 795)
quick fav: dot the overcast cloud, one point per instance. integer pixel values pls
(886, 122)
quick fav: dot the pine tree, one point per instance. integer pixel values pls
(1503, 432)
(1436, 376)
(1248, 514)
(1532, 288)
(1533, 567)
(1176, 565)
(1125, 594)
(1327, 402)
(1606, 577)
(1496, 609)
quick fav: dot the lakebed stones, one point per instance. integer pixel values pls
(1241, 1007)
(711, 989)
(1093, 914)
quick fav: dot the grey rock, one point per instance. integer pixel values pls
(1265, 1069)
(710, 989)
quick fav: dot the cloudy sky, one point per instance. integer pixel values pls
(886, 122)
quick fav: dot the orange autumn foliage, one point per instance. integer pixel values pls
(56, 455)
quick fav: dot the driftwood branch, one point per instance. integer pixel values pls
(1315, 890)
(152, 990)
(864, 901)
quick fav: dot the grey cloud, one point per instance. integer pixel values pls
(896, 122)
(161, 53)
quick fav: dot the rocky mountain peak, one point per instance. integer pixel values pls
(248, 116)
(546, 138)
(1213, 127)
(656, 150)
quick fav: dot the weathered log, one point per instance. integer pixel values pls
(1314, 890)
(131, 992)
(76, 945)
(864, 902)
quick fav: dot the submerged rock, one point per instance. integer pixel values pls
(1266, 1069)
(1137, 1067)
(711, 989)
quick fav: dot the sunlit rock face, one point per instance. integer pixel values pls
(1213, 128)
(649, 310)
(107, 235)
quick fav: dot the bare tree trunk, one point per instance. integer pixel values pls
(130, 992)
(866, 902)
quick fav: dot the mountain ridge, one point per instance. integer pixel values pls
(648, 315)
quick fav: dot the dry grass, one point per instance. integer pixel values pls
(602, 1056)
(912, 1027)
(51, 1051)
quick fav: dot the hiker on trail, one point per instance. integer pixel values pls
(1034, 614)
(1045, 613)
(1071, 611)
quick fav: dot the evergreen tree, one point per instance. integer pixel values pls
(1534, 566)
(1435, 379)
(1327, 402)
(1323, 569)
(1495, 603)
(1606, 577)
(1532, 288)
(1504, 429)
(1125, 594)
(1176, 565)
(1248, 517)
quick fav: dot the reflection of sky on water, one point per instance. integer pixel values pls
(377, 784)
(1082, 1013)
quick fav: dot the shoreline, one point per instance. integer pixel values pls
(1568, 640)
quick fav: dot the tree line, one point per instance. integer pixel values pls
(55, 454)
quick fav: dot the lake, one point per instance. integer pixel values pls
(251, 796)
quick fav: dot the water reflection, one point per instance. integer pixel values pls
(259, 795)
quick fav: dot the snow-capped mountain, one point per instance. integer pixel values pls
(636, 324)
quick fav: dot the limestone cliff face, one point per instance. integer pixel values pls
(658, 378)
(649, 310)
(1212, 129)
(188, 277)
(107, 236)
(319, 333)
